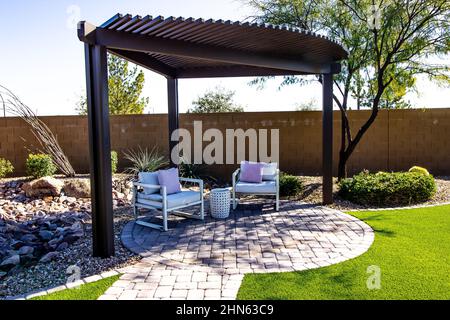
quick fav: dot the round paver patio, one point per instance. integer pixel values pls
(208, 259)
(255, 238)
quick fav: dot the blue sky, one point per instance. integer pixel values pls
(42, 61)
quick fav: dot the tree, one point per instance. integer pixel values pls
(217, 100)
(125, 89)
(389, 44)
(306, 106)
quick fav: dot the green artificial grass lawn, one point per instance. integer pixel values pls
(89, 291)
(411, 247)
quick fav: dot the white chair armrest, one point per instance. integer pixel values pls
(143, 185)
(199, 181)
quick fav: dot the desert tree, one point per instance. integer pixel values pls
(216, 100)
(390, 43)
(125, 87)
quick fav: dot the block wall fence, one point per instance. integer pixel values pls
(398, 139)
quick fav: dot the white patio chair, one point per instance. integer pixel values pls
(269, 186)
(154, 196)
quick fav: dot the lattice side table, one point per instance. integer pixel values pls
(219, 200)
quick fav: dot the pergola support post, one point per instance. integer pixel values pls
(172, 114)
(99, 150)
(327, 138)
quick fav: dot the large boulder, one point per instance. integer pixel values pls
(46, 186)
(77, 188)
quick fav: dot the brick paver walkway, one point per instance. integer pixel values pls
(207, 259)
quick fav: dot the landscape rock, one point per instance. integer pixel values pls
(77, 188)
(63, 246)
(55, 242)
(46, 235)
(43, 227)
(49, 257)
(11, 261)
(27, 259)
(28, 238)
(46, 186)
(25, 250)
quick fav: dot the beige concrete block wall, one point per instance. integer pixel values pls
(397, 140)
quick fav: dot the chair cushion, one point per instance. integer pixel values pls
(149, 178)
(251, 172)
(184, 197)
(263, 187)
(170, 179)
(269, 171)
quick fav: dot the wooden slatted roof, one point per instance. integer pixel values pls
(188, 47)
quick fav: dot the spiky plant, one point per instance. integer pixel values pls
(143, 160)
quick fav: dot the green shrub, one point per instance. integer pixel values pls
(383, 188)
(40, 165)
(5, 167)
(419, 170)
(114, 161)
(290, 185)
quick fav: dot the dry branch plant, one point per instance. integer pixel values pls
(48, 141)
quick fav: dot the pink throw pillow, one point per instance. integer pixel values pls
(170, 179)
(251, 172)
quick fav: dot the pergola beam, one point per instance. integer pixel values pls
(230, 71)
(144, 43)
(146, 61)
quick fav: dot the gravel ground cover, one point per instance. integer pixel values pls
(48, 240)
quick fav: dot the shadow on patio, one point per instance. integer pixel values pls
(256, 238)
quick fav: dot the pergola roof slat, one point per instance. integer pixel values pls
(129, 23)
(189, 25)
(148, 24)
(279, 46)
(112, 20)
(139, 23)
(120, 22)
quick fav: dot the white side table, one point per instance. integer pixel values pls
(219, 200)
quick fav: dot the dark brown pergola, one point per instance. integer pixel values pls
(193, 48)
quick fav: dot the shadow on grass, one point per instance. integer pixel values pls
(384, 232)
(378, 217)
(374, 217)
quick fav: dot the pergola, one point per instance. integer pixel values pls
(193, 48)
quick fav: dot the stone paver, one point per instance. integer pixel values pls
(208, 259)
